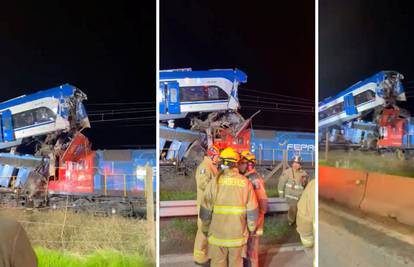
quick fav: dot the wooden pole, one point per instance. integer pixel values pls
(149, 194)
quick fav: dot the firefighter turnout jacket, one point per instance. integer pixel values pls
(259, 188)
(292, 183)
(305, 219)
(205, 173)
(230, 210)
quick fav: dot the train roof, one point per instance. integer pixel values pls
(229, 74)
(374, 78)
(65, 90)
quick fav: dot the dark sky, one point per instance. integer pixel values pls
(360, 38)
(105, 48)
(272, 42)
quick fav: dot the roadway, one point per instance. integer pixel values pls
(288, 255)
(350, 238)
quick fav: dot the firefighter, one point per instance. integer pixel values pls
(205, 172)
(247, 168)
(291, 184)
(15, 247)
(305, 220)
(229, 213)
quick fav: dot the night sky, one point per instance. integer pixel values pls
(272, 43)
(359, 38)
(107, 49)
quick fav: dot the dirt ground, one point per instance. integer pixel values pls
(368, 161)
(177, 235)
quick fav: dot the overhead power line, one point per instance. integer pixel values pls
(120, 112)
(120, 103)
(125, 119)
(274, 104)
(279, 95)
(307, 112)
(241, 95)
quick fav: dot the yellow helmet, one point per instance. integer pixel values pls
(230, 155)
(248, 155)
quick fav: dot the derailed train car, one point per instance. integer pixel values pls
(184, 148)
(102, 181)
(47, 162)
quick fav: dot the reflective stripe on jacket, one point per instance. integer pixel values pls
(229, 210)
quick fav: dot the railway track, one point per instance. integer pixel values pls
(188, 208)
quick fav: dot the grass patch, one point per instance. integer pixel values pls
(83, 234)
(370, 162)
(272, 192)
(177, 195)
(188, 227)
(103, 258)
(276, 229)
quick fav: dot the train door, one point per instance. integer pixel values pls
(349, 105)
(170, 98)
(7, 126)
(173, 99)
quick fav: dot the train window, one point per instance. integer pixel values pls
(364, 97)
(202, 93)
(335, 109)
(33, 117)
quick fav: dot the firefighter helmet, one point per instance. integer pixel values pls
(213, 151)
(229, 155)
(249, 156)
(297, 159)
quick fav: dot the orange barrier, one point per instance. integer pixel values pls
(391, 196)
(342, 185)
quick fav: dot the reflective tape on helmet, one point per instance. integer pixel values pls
(281, 193)
(227, 242)
(229, 209)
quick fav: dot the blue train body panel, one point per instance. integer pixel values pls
(268, 145)
(19, 166)
(123, 165)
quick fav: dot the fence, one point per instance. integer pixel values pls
(271, 156)
(84, 233)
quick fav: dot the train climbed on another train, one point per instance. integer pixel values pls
(367, 115)
(45, 160)
(209, 99)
